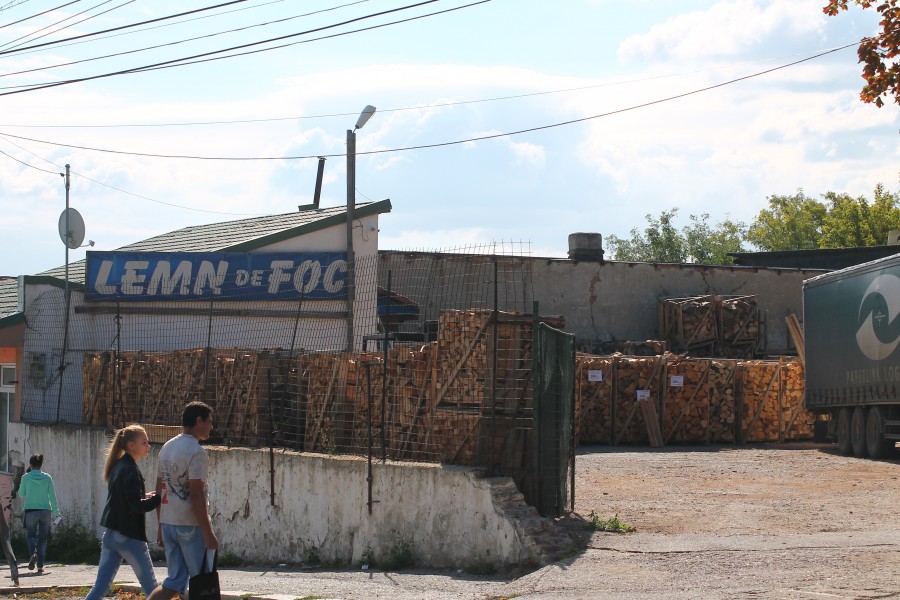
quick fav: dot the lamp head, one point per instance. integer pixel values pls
(364, 116)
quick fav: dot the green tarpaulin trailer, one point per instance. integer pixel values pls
(852, 332)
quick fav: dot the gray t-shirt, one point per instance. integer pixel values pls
(181, 459)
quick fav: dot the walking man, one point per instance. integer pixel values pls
(185, 531)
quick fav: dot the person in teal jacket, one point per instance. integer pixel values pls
(40, 501)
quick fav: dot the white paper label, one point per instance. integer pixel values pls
(595, 375)
(676, 381)
(643, 394)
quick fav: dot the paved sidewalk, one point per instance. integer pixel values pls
(284, 583)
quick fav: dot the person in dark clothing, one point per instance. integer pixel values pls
(123, 516)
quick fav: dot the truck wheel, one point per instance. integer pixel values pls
(877, 446)
(843, 432)
(858, 431)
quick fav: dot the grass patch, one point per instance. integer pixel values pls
(613, 525)
(312, 556)
(311, 598)
(368, 556)
(228, 560)
(400, 552)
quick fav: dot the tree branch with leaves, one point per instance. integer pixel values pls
(877, 54)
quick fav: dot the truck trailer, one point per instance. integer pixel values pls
(852, 332)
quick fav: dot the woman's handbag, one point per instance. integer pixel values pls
(205, 585)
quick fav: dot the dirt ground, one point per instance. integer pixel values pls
(767, 521)
(733, 490)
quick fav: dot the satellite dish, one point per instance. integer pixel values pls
(73, 234)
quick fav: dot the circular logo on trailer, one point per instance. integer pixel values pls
(879, 330)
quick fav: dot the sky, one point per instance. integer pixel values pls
(595, 113)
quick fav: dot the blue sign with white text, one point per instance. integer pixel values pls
(152, 276)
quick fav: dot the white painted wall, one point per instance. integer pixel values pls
(447, 512)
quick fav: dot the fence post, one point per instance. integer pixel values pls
(536, 411)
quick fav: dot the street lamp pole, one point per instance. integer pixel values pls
(366, 114)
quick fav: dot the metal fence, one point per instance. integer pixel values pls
(441, 367)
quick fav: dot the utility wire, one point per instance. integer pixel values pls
(38, 14)
(112, 187)
(455, 142)
(181, 61)
(28, 165)
(380, 110)
(106, 37)
(200, 37)
(12, 4)
(121, 27)
(27, 35)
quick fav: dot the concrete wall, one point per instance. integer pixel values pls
(448, 513)
(613, 300)
(619, 300)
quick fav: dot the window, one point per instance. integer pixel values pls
(7, 401)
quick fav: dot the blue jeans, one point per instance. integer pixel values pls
(37, 528)
(185, 551)
(116, 547)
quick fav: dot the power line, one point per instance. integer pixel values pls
(121, 27)
(54, 24)
(112, 187)
(28, 165)
(179, 62)
(106, 37)
(380, 110)
(200, 37)
(12, 4)
(2, 8)
(450, 143)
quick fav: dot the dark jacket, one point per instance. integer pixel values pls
(125, 502)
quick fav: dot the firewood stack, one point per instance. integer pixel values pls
(436, 395)
(716, 326)
(689, 323)
(773, 402)
(155, 388)
(740, 326)
(686, 400)
(632, 375)
(722, 401)
(593, 398)
(698, 399)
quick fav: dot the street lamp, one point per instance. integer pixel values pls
(364, 117)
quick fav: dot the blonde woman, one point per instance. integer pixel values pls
(123, 516)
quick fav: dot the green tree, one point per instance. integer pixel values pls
(662, 241)
(711, 245)
(790, 223)
(854, 222)
(878, 54)
(798, 222)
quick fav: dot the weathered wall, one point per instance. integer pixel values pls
(619, 300)
(450, 515)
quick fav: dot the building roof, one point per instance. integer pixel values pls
(242, 235)
(823, 258)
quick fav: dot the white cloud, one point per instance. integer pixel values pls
(527, 154)
(725, 29)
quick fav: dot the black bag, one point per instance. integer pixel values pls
(205, 585)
